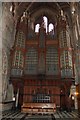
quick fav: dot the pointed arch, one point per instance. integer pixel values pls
(37, 26)
(51, 28)
(45, 22)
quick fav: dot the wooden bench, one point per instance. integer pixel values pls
(38, 108)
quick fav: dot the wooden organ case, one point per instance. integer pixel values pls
(42, 68)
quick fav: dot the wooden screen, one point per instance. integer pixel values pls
(18, 55)
(31, 62)
(52, 61)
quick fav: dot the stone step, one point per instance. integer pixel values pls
(66, 115)
(63, 115)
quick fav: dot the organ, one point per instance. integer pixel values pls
(42, 66)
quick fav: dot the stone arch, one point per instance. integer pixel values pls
(45, 12)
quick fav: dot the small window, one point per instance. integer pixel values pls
(37, 28)
(51, 28)
(45, 22)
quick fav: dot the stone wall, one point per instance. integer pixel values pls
(0, 55)
(8, 36)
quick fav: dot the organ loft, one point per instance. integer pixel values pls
(44, 59)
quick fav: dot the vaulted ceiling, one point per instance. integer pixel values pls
(33, 6)
(37, 9)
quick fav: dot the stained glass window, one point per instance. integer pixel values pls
(37, 26)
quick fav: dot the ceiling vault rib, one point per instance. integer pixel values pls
(58, 6)
(30, 5)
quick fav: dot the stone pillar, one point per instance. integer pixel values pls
(76, 38)
(0, 57)
(32, 24)
(8, 27)
(76, 103)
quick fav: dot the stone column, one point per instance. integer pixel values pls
(0, 57)
(8, 27)
(76, 38)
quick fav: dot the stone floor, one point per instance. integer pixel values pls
(17, 115)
